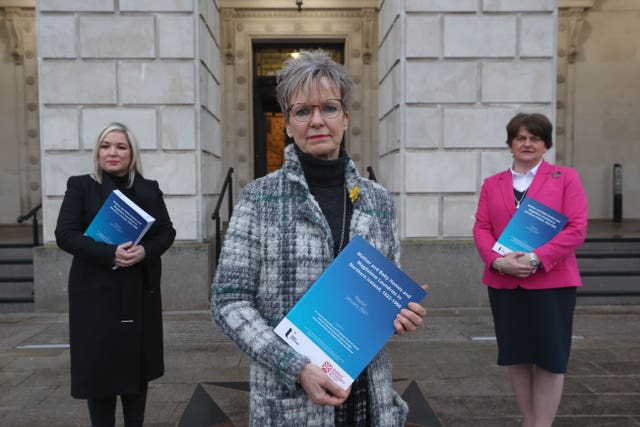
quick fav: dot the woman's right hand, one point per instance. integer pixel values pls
(514, 264)
(319, 387)
(127, 254)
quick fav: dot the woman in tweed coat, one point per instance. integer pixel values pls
(286, 229)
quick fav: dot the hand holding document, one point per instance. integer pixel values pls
(348, 314)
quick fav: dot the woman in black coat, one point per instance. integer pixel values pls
(115, 315)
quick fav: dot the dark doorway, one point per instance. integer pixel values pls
(270, 136)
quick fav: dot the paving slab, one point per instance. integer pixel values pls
(443, 368)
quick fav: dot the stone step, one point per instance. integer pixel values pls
(591, 266)
(12, 252)
(16, 278)
(16, 290)
(16, 307)
(16, 269)
(602, 248)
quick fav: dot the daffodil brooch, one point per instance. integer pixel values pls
(354, 193)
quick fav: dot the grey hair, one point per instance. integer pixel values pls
(308, 70)
(136, 163)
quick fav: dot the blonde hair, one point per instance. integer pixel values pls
(136, 163)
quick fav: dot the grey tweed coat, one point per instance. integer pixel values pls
(277, 244)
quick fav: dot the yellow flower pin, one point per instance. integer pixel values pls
(354, 193)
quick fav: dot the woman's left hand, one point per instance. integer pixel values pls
(128, 255)
(410, 318)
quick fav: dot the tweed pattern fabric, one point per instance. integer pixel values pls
(277, 244)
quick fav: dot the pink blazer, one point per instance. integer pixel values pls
(557, 187)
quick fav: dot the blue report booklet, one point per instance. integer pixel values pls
(346, 316)
(119, 220)
(533, 225)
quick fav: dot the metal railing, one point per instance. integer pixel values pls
(32, 213)
(227, 185)
(372, 175)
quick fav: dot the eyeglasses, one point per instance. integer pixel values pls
(522, 139)
(329, 109)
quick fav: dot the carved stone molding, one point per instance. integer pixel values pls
(575, 20)
(368, 43)
(227, 28)
(12, 20)
(292, 4)
(239, 13)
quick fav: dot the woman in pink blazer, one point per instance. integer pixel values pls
(533, 294)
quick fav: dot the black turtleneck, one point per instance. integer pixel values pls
(325, 179)
(121, 183)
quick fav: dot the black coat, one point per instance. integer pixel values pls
(109, 356)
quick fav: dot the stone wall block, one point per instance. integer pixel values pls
(441, 5)
(440, 171)
(518, 5)
(157, 83)
(183, 212)
(51, 279)
(50, 212)
(474, 36)
(57, 168)
(206, 129)
(389, 91)
(421, 218)
(492, 162)
(77, 82)
(165, 167)
(433, 82)
(423, 36)
(76, 5)
(389, 132)
(212, 174)
(518, 82)
(217, 138)
(458, 216)
(390, 173)
(476, 127)
(210, 133)
(156, 5)
(389, 53)
(387, 18)
(178, 128)
(213, 93)
(141, 121)
(63, 45)
(537, 35)
(176, 36)
(423, 127)
(117, 36)
(60, 128)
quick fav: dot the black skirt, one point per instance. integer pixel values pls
(534, 326)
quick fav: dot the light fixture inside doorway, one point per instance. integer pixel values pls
(299, 4)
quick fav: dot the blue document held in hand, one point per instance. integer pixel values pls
(347, 315)
(119, 220)
(533, 225)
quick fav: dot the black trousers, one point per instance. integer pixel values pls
(102, 410)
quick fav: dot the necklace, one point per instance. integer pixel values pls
(344, 218)
(518, 201)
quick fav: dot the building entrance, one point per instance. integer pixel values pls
(270, 136)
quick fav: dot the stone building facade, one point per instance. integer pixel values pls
(436, 82)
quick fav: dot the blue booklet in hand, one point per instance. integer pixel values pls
(119, 220)
(533, 225)
(347, 315)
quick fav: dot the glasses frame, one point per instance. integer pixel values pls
(313, 106)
